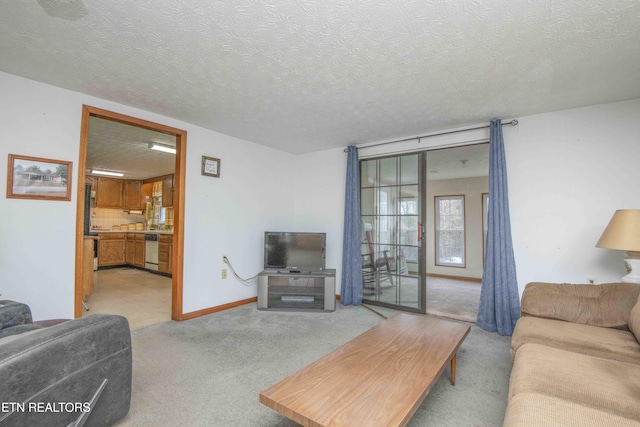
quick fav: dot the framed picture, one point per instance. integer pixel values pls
(211, 166)
(37, 178)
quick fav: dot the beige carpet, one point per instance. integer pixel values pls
(450, 298)
(455, 299)
(143, 298)
(209, 371)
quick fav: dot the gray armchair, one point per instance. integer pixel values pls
(63, 373)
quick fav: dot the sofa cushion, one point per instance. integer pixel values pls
(8, 338)
(608, 343)
(607, 305)
(604, 384)
(634, 320)
(18, 329)
(540, 410)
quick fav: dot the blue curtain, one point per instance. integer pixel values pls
(351, 284)
(499, 298)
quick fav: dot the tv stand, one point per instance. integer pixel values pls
(299, 291)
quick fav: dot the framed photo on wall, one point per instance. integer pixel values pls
(211, 166)
(38, 178)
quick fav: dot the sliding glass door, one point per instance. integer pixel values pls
(392, 231)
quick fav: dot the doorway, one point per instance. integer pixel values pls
(177, 245)
(457, 185)
(423, 217)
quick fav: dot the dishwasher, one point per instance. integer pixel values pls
(151, 251)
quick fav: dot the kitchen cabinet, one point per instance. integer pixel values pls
(132, 194)
(118, 193)
(138, 254)
(134, 249)
(109, 193)
(165, 253)
(129, 250)
(167, 191)
(146, 194)
(111, 249)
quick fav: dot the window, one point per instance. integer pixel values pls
(450, 234)
(163, 216)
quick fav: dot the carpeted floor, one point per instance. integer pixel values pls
(455, 299)
(446, 297)
(209, 371)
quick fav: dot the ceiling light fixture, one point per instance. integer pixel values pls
(161, 147)
(107, 173)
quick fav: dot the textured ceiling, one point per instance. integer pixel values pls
(306, 75)
(458, 162)
(118, 147)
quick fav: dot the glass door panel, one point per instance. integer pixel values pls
(392, 234)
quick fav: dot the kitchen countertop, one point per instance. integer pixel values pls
(133, 231)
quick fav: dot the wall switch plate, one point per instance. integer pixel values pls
(224, 273)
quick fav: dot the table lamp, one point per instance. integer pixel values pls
(623, 233)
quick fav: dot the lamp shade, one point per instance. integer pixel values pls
(623, 231)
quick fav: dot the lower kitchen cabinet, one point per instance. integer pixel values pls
(130, 249)
(165, 252)
(111, 249)
(138, 256)
(134, 250)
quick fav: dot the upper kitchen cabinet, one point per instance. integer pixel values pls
(167, 191)
(118, 193)
(132, 194)
(146, 194)
(109, 192)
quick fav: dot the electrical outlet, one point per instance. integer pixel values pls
(224, 273)
(591, 280)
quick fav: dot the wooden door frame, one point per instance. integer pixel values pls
(178, 202)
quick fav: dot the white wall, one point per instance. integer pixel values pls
(223, 216)
(319, 185)
(229, 215)
(568, 172)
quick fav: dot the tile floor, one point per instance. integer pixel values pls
(143, 298)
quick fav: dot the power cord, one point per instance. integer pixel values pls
(246, 282)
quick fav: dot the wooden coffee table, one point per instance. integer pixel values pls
(378, 378)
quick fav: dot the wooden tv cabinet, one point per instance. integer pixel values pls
(303, 291)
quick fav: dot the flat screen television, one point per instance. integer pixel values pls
(294, 251)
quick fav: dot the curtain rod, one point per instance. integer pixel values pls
(512, 123)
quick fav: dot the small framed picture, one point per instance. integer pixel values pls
(211, 166)
(38, 178)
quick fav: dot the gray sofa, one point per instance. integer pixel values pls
(60, 373)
